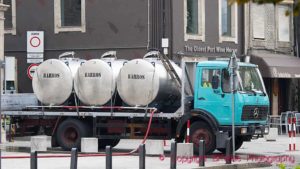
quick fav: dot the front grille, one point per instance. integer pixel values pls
(255, 113)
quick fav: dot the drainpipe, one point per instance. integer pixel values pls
(243, 50)
(296, 18)
(148, 24)
(171, 29)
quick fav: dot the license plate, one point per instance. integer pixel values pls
(257, 131)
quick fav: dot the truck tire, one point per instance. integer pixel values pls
(70, 132)
(238, 145)
(102, 143)
(202, 131)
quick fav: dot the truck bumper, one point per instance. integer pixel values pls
(250, 130)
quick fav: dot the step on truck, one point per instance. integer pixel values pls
(149, 98)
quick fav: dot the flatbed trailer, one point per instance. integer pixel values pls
(106, 123)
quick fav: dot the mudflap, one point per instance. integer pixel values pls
(221, 138)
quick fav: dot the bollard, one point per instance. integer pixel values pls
(142, 154)
(74, 157)
(108, 157)
(201, 153)
(33, 160)
(228, 151)
(173, 155)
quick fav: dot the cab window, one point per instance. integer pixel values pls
(207, 75)
(225, 82)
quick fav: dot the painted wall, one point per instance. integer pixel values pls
(110, 25)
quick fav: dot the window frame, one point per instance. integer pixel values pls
(13, 29)
(214, 70)
(57, 19)
(278, 23)
(201, 23)
(254, 5)
(234, 24)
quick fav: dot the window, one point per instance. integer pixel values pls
(194, 20)
(283, 25)
(207, 76)
(225, 81)
(10, 17)
(227, 21)
(69, 15)
(258, 20)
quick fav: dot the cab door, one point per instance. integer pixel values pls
(215, 101)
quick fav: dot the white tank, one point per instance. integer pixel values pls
(94, 83)
(145, 81)
(52, 82)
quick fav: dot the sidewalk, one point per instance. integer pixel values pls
(119, 162)
(245, 158)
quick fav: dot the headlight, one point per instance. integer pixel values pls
(243, 130)
(266, 130)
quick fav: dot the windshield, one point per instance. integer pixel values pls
(250, 79)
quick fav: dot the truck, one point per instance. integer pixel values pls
(207, 106)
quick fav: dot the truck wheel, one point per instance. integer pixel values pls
(201, 131)
(70, 132)
(102, 143)
(238, 145)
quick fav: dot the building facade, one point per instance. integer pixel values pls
(201, 28)
(88, 27)
(207, 28)
(270, 43)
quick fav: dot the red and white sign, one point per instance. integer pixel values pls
(35, 46)
(31, 70)
(35, 42)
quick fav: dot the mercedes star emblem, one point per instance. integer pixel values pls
(256, 112)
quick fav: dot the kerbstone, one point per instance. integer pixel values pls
(89, 145)
(273, 134)
(38, 143)
(185, 150)
(154, 147)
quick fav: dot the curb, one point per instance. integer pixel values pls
(238, 166)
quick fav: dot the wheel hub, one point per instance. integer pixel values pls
(70, 135)
(201, 134)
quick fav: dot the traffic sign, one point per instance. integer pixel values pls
(35, 41)
(35, 60)
(31, 70)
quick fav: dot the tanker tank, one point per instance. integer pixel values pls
(94, 83)
(143, 82)
(52, 82)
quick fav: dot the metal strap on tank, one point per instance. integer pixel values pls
(109, 54)
(152, 54)
(65, 54)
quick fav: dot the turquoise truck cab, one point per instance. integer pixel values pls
(213, 104)
(251, 100)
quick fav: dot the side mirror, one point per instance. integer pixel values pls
(215, 82)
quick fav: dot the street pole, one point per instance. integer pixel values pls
(3, 8)
(233, 69)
